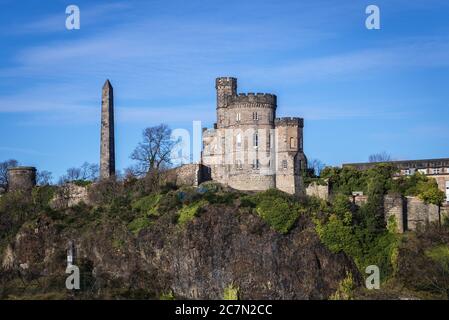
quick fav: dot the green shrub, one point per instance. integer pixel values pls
(167, 296)
(278, 213)
(278, 209)
(361, 239)
(147, 205)
(42, 196)
(439, 254)
(138, 224)
(231, 292)
(82, 183)
(188, 212)
(345, 289)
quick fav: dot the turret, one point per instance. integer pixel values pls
(226, 87)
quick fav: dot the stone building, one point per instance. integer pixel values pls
(434, 168)
(21, 178)
(249, 148)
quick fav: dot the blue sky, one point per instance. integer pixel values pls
(360, 91)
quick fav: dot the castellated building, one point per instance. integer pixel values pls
(249, 148)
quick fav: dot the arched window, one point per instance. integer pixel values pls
(292, 143)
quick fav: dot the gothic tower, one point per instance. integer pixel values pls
(107, 150)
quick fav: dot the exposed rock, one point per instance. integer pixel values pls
(198, 261)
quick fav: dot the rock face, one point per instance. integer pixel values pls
(220, 247)
(223, 248)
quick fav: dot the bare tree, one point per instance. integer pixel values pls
(4, 166)
(87, 172)
(44, 178)
(154, 152)
(316, 165)
(380, 157)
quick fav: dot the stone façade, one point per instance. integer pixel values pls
(249, 148)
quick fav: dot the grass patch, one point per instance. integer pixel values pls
(231, 292)
(188, 212)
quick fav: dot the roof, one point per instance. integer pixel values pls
(404, 164)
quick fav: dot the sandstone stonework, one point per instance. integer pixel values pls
(107, 147)
(249, 148)
(21, 178)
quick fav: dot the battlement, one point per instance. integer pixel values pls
(289, 121)
(261, 98)
(226, 82)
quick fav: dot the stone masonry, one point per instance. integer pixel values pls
(107, 147)
(249, 148)
(21, 178)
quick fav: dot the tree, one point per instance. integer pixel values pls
(87, 172)
(44, 178)
(316, 165)
(4, 166)
(154, 152)
(380, 157)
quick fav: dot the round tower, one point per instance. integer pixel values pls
(246, 125)
(21, 178)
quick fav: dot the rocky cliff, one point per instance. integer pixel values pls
(222, 246)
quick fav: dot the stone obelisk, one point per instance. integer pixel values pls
(107, 149)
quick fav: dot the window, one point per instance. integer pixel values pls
(256, 140)
(237, 117)
(284, 164)
(255, 116)
(256, 164)
(437, 171)
(238, 165)
(292, 143)
(238, 140)
(407, 172)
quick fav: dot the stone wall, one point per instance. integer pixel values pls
(69, 195)
(394, 206)
(444, 212)
(420, 213)
(187, 175)
(316, 190)
(409, 212)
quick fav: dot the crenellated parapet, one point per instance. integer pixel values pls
(289, 121)
(253, 99)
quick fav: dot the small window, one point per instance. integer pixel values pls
(238, 165)
(284, 164)
(237, 117)
(256, 164)
(238, 140)
(292, 143)
(255, 116)
(256, 140)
